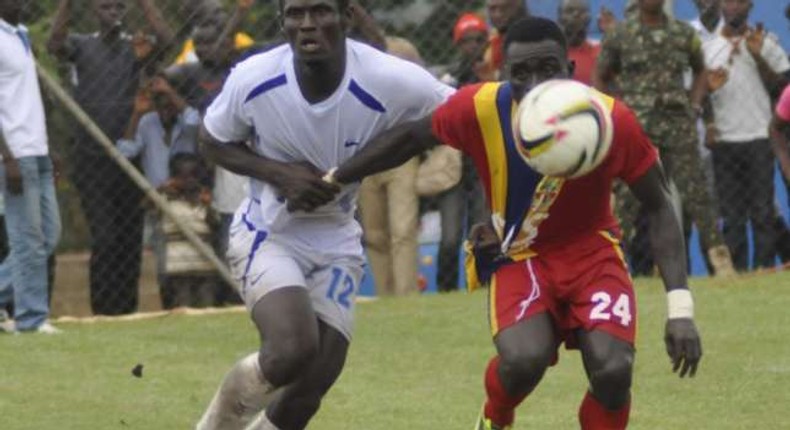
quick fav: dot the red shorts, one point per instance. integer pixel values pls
(590, 290)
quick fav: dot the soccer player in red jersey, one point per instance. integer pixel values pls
(551, 253)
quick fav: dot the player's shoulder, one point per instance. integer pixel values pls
(260, 72)
(268, 61)
(465, 97)
(620, 110)
(624, 122)
(471, 90)
(380, 68)
(471, 104)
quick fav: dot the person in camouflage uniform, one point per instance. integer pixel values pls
(646, 56)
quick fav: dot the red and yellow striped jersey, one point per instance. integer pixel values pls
(532, 213)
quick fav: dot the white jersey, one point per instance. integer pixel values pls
(262, 102)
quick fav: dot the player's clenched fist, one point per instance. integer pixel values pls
(303, 188)
(486, 245)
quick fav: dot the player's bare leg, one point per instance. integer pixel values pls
(609, 363)
(299, 401)
(525, 351)
(288, 330)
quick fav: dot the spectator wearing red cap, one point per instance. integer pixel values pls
(463, 204)
(470, 36)
(469, 23)
(574, 18)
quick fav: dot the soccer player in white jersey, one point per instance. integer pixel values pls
(294, 246)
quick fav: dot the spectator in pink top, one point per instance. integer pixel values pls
(779, 129)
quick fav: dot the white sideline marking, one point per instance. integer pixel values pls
(158, 314)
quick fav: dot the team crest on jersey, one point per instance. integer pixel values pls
(546, 194)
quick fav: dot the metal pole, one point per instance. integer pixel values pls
(85, 121)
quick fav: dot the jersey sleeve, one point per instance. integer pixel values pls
(632, 154)
(226, 119)
(783, 106)
(453, 121)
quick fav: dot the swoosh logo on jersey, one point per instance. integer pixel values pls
(350, 143)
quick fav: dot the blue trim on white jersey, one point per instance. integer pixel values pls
(266, 86)
(365, 97)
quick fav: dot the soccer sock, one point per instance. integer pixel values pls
(241, 396)
(594, 416)
(500, 406)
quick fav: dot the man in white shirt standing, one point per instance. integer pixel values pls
(295, 246)
(31, 209)
(746, 66)
(709, 22)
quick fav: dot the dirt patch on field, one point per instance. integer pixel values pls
(70, 295)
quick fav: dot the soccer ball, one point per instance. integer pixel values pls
(563, 128)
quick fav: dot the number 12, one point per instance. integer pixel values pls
(344, 297)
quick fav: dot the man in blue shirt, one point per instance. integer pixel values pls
(161, 126)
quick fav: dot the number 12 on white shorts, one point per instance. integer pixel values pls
(341, 288)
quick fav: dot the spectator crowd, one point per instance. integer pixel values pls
(704, 91)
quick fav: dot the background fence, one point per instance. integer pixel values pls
(107, 257)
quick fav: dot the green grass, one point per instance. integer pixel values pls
(416, 363)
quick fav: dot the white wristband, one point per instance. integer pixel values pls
(329, 177)
(680, 304)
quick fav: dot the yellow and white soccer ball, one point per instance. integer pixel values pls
(563, 128)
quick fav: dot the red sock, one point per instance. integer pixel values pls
(593, 416)
(500, 406)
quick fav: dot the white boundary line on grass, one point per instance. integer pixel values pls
(158, 314)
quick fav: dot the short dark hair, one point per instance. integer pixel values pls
(342, 5)
(787, 12)
(535, 29)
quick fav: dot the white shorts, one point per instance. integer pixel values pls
(262, 263)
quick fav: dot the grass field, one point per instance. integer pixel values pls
(416, 363)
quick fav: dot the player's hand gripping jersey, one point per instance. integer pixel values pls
(533, 214)
(261, 103)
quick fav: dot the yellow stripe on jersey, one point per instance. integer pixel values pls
(488, 120)
(492, 306)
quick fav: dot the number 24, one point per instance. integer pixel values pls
(621, 308)
(344, 297)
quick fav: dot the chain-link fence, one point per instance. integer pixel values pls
(144, 71)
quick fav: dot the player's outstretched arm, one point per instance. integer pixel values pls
(681, 337)
(300, 184)
(388, 150)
